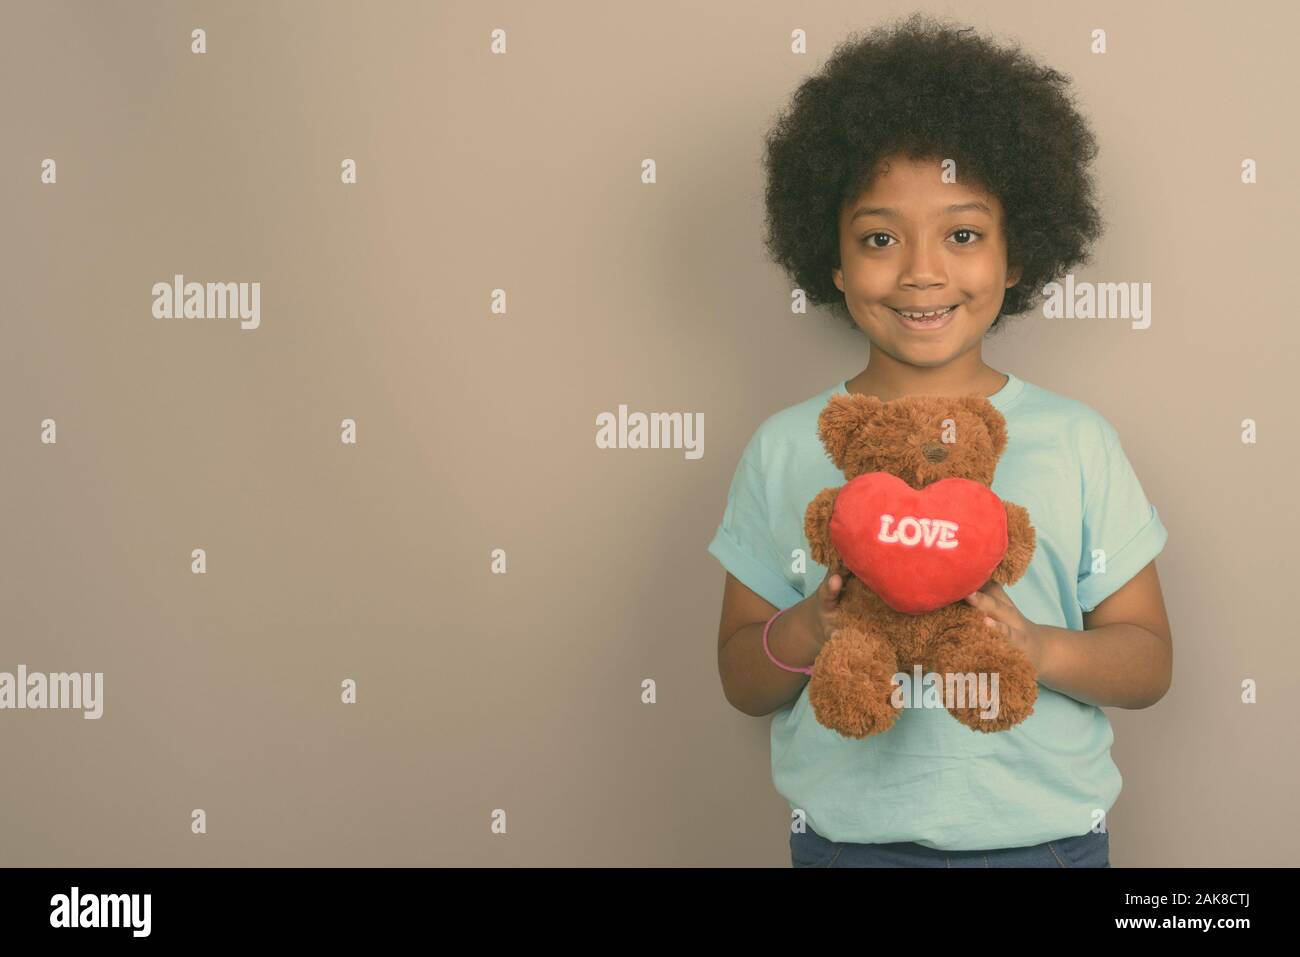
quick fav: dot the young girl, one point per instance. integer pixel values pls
(928, 171)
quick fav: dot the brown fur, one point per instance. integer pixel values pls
(852, 680)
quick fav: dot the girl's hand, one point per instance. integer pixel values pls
(821, 608)
(1002, 615)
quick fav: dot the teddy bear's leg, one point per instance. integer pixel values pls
(852, 685)
(998, 682)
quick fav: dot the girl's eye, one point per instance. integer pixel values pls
(867, 240)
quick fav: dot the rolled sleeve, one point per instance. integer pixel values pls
(744, 542)
(1119, 523)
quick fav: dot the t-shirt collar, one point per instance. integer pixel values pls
(1000, 399)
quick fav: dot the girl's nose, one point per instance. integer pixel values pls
(921, 268)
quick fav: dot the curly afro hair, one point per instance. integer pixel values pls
(922, 88)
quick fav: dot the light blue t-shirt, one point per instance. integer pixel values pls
(930, 779)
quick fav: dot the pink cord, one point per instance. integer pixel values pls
(802, 671)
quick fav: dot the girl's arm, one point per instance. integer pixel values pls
(1123, 658)
(750, 682)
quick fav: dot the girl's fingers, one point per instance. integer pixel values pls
(833, 584)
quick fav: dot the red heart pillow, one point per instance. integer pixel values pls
(919, 549)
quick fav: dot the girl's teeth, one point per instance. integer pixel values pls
(926, 315)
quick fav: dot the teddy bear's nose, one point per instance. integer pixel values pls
(934, 451)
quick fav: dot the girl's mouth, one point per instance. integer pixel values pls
(937, 321)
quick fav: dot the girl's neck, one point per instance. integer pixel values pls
(888, 379)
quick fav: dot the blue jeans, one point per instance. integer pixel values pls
(812, 850)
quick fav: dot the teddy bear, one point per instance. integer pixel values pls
(918, 528)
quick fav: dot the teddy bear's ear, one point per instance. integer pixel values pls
(840, 421)
(993, 420)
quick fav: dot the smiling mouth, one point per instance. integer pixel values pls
(917, 316)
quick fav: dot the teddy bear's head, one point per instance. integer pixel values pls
(919, 438)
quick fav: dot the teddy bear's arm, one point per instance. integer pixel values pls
(817, 528)
(1020, 545)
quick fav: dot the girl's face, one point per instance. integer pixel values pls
(915, 243)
